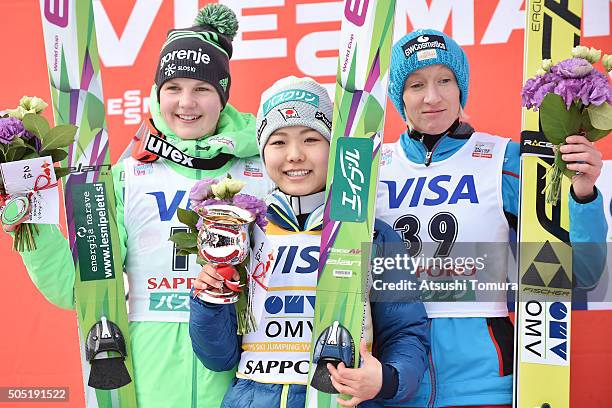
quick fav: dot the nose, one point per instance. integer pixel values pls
(432, 95)
(186, 100)
(295, 153)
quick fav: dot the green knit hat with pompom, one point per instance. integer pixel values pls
(202, 51)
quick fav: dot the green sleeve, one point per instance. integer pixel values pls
(50, 266)
(119, 186)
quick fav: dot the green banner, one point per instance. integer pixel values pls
(92, 229)
(349, 198)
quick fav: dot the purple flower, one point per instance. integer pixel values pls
(573, 79)
(568, 89)
(572, 68)
(254, 205)
(528, 91)
(539, 95)
(34, 140)
(200, 192)
(595, 89)
(11, 128)
(199, 223)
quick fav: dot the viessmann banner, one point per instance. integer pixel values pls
(276, 38)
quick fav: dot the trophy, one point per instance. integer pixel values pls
(223, 239)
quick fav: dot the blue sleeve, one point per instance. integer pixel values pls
(588, 231)
(401, 329)
(212, 329)
(588, 227)
(510, 178)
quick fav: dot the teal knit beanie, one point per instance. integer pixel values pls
(420, 49)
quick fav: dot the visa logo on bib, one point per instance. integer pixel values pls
(289, 261)
(441, 189)
(166, 209)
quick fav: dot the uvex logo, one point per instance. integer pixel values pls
(355, 11)
(160, 147)
(56, 12)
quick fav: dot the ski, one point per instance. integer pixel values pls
(76, 93)
(357, 135)
(543, 302)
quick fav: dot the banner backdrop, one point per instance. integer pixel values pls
(276, 38)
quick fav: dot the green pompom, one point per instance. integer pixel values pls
(220, 17)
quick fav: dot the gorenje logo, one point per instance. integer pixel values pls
(423, 42)
(197, 57)
(351, 179)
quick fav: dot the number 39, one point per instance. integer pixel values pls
(442, 229)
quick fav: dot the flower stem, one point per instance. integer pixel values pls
(24, 240)
(553, 186)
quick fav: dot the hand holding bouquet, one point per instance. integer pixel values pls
(26, 134)
(219, 222)
(573, 99)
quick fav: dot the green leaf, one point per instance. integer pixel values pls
(558, 122)
(36, 124)
(20, 143)
(188, 217)
(590, 132)
(56, 154)
(595, 134)
(562, 165)
(17, 142)
(184, 240)
(31, 155)
(61, 172)
(601, 116)
(58, 137)
(187, 251)
(15, 153)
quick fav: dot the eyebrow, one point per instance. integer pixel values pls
(283, 133)
(201, 83)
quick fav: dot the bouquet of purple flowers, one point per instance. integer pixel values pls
(213, 209)
(26, 134)
(573, 98)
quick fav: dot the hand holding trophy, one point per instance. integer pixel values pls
(223, 239)
(221, 223)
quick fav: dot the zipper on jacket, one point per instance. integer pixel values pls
(432, 375)
(429, 153)
(194, 381)
(428, 158)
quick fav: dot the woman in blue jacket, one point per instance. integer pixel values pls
(443, 182)
(273, 361)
